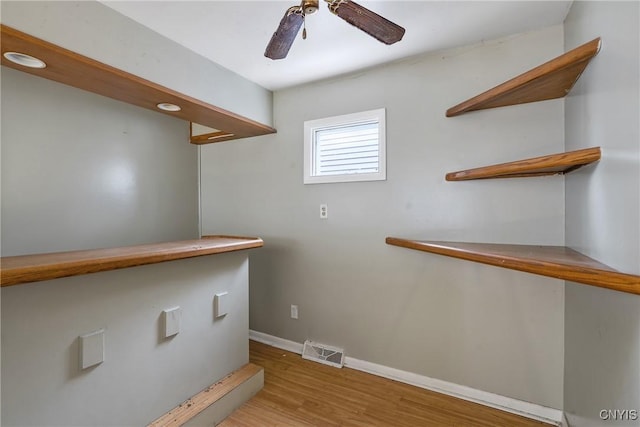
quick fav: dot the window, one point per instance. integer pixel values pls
(345, 148)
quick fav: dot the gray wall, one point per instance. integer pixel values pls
(480, 326)
(602, 328)
(82, 171)
(143, 375)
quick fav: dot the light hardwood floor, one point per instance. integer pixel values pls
(299, 392)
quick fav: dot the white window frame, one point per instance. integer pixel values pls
(310, 128)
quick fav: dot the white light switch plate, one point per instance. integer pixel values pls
(91, 349)
(221, 304)
(172, 318)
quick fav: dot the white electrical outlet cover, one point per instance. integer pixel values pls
(91, 349)
(324, 211)
(221, 305)
(172, 317)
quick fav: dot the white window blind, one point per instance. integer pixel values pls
(345, 148)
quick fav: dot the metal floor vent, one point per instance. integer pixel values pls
(323, 354)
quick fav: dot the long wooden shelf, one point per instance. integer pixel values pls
(553, 261)
(553, 79)
(554, 164)
(15, 270)
(73, 69)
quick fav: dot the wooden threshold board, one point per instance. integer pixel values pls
(552, 261)
(193, 406)
(73, 69)
(22, 269)
(553, 79)
(553, 164)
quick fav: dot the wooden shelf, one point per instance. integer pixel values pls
(16, 270)
(553, 261)
(553, 164)
(70, 68)
(553, 79)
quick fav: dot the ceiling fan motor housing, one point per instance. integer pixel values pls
(309, 6)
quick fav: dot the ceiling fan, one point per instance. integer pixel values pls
(359, 16)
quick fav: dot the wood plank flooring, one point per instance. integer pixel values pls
(299, 392)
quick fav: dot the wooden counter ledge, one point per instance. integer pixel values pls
(16, 270)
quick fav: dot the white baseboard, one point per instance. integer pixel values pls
(291, 346)
(514, 406)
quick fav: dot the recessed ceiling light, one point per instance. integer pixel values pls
(168, 107)
(24, 60)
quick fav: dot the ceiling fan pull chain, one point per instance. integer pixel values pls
(304, 27)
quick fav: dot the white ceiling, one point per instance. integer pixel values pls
(234, 34)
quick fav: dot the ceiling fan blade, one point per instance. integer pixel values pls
(286, 33)
(370, 22)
